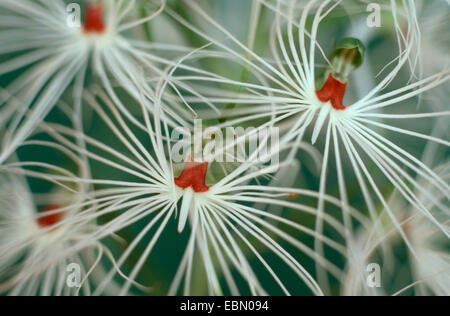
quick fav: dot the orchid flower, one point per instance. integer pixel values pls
(356, 134)
(44, 243)
(56, 54)
(429, 267)
(223, 230)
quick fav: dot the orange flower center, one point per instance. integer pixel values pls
(193, 176)
(333, 91)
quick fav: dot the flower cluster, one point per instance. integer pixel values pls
(320, 164)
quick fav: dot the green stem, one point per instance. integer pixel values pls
(254, 19)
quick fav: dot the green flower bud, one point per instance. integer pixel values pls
(347, 57)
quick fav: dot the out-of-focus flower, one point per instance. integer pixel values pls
(37, 248)
(55, 55)
(225, 232)
(428, 265)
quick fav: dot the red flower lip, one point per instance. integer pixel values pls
(193, 175)
(93, 20)
(333, 91)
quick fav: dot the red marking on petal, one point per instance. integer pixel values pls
(93, 19)
(193, 175)
(50, 220)
(333, 91)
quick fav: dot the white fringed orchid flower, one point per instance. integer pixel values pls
(429, 264)
(54, 54)
(349, 186)
(38, 248)
(224, 229)
(358, 134)
(51, 243)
